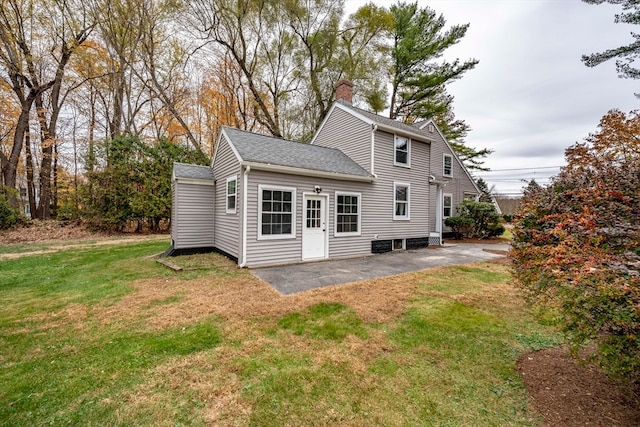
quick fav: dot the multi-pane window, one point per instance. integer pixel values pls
(402, 150)
(276, 212)
(447, 205)
(232, 191)
(401, 201)
(347, 213)
(447, 165)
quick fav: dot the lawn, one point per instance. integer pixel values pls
(107, 336)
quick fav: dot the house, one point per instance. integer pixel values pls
(365, 184)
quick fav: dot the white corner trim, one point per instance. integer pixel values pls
(245, 180)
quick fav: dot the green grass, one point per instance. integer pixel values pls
(447, 360)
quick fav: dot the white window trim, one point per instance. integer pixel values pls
(404, 165)
(335, 219)
(408, 216)
(294, 213)
(226, 200)
(444, 195)
(444, 156)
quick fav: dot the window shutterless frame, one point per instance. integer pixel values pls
(348, 214)
(447, 205)
(447, 165)
(402, 151)
(231, 194)
(276, 212)
(401, 201)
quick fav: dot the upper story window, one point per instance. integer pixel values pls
(232, 192)
(400, 200)
(447, 165)
(276, 217)
(403, 151)
(347, 214)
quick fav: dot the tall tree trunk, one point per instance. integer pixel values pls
(54, 190)
(29, 167)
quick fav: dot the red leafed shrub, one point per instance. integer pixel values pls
(576, 246)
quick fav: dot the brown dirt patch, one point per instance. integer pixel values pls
(59, 236)
(568, 394)
(49, 230)
(245, 297)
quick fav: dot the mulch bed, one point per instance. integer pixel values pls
(566, 393)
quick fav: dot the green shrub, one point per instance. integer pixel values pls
(496, 231)
(507, 217)
(486, 221)
(8, 215)
(461, 226)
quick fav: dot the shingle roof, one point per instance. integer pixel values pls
(184, 170)
(253, 147)
(386, 121)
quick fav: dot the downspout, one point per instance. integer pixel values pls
(439, 211)
(245, 181)
(374, 128)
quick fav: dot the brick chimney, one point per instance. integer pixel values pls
(344, 91)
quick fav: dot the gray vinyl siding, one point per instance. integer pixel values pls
(457, 185)
(192, 222)
(227, 226)
(348, 134)
(280, 251)
(380, 200)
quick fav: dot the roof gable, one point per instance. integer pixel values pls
(255, 148)
(422, 125)
(383, 123)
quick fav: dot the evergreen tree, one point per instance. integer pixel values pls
(419, 77)
(625, 55)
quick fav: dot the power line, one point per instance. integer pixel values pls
(519, 169)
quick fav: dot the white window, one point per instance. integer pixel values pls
(401, 198)
(347, 214)
(403, 151)
(447, 165)
(447, 205)
(232, 192)
(276, 216)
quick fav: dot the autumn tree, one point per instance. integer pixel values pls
(575, 248)
(625, 56)
(37, 41)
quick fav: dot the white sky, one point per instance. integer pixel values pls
(531, 97)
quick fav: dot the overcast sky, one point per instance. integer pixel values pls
(530, 97)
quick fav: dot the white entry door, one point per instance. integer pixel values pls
(314, 227)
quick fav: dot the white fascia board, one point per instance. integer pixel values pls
(196, 181)
(307, 172)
